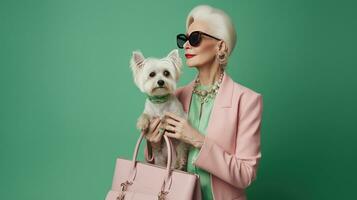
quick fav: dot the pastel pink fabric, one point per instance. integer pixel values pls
(231, 149)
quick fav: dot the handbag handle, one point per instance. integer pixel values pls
(167, 178)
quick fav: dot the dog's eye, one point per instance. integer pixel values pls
(152, 74)
(166, 73)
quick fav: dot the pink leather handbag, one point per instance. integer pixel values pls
(137, 180)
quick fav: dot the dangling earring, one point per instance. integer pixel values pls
(222, 58)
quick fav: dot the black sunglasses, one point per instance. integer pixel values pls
(194, 38)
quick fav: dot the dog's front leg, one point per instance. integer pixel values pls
(143, 122)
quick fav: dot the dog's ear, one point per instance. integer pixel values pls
(176, 60)
(137, 61)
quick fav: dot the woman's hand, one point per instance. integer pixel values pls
(179, 128)
(153, 134)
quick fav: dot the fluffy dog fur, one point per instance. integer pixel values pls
(156, 77)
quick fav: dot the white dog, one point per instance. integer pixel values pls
(157, 78)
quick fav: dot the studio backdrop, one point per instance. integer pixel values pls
(69, 105)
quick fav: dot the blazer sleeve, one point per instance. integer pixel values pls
(238, 169)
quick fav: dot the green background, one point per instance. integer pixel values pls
(68, 103)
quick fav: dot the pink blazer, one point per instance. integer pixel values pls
(231, 149)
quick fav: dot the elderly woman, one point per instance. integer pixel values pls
(224, 117)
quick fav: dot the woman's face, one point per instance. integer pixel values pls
(205, 53)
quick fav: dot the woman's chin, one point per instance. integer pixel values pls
(189, 63)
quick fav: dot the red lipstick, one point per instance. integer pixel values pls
(189, 55)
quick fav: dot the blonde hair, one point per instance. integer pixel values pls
(219, 23)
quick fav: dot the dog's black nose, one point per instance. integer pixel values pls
(160, 82)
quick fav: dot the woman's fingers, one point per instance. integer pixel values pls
(153, 124)
(170, 121)
(172, 135)
(173, 116)
(152, 127)
(157, 137)
(170, 128)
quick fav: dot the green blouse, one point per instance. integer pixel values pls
(200, 125)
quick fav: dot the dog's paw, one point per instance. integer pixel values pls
(143, 123)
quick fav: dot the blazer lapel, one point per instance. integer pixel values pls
(225, 92)
(223, 100)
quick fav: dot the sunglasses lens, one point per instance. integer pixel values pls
(195, 39)
(181, 39)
